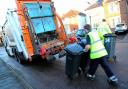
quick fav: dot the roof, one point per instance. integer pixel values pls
(73, 13)
(108, 1)
(95, 5)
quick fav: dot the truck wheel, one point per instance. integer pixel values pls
(19, 60)
(19, 57)
(8, 52)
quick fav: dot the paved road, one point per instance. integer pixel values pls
(52, 76)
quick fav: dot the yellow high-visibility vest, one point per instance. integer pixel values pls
(103, 29)
(97, 48)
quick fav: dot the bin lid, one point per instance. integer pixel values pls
(74, 49)
(82, 43)
(80, 33)
(109, 35)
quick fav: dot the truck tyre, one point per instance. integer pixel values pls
(19, 57)
(7, 52)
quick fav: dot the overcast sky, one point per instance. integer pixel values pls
(62, 6)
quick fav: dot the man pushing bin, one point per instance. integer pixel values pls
(108, 39)
(76, 58)
(103, 29)
(98, 55)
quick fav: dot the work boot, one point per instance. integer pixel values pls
(91, 77)
(113, 80)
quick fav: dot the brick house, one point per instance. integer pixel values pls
(73, 20)
(95, 14)
(115, 11)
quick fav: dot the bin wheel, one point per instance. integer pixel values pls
(70, 77)
(79, 71)
(117, 33)
(114, 57)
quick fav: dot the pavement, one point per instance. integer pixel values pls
(52, 76)
(9, 78)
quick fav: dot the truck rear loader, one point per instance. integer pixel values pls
(36, 30)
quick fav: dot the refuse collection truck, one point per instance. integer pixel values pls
(36, 29)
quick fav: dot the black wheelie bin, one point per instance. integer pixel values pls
(80, 34)
(73, 56)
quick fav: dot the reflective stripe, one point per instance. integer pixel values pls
(98, 50)
(97, 47)
(95, 41)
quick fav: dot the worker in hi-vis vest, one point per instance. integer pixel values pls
(97, 55)
(103, 29)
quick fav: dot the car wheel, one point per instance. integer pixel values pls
(117, 33)
(127, 31)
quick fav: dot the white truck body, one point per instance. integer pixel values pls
(13, 35)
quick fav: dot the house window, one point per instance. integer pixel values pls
(127, 6)
(113, 21)
(117, 7)
(111, 8)
(114, 7)
(118, 20)
(73, 20)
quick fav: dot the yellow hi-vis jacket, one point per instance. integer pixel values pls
(103, 29)
(97, 48)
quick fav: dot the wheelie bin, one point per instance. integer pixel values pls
(84, 61)
(80, 34)
(73, 56)
(109, 43)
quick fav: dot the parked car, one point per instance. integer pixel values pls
(120, 28)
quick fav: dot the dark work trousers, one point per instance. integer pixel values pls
(84, 62)
(102, 61)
